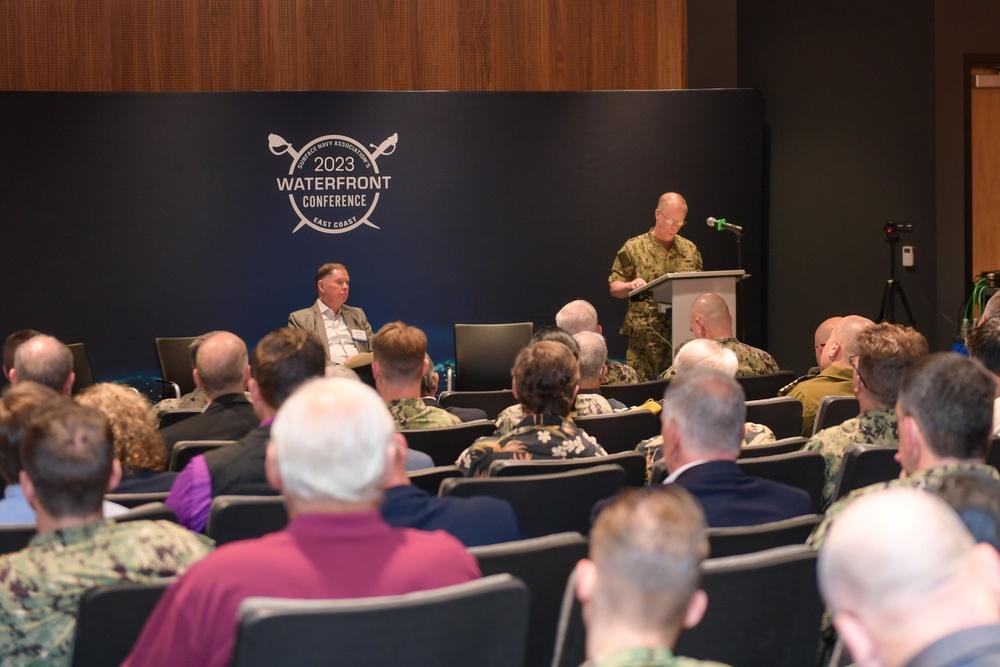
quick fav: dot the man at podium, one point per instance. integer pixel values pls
(642, 259)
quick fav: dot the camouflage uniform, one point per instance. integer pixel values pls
(875, 427)
(752, 360)
(40, 586)
(584, 406)
(753, 434)
(536, 437)
(647, 657)
(834, 381)
(927, 479)
(195, 400)
(619, 373)
(411, 413)
(649, 332)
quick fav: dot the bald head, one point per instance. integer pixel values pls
(710, 317)
(221, 365)
(577, 316)
(843, 342)
(45, 360)
(672, 200)
(820, 338)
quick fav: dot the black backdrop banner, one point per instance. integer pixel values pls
(130, 216)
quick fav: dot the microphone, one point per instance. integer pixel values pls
(721, 224)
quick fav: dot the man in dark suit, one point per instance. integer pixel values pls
(704, 415)
(344, 330)
(429, 389)
(221, 369)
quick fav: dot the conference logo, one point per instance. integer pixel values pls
(334, 182)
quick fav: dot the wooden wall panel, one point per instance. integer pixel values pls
(219, 45)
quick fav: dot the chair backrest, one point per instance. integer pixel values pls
(571, 635)
(234, 518)
(993, 453)
(749, 539)
(835, 410)
(633, 463)
(15, 538)
(174, 355)
(148, 512)
(757, 387)
(445, 444)
(543, 564)
(621, 431)
(764, 610)
(482, 622)
(803, 470)
(81, 368)
(783, 415)
(636, 394)
(863, 465)
(185, 450)
(171, 417)
(110, 620)
(546, 504)
(429, 479)
(133, 500)
(491, 402)
(484, 353)
(782, 446)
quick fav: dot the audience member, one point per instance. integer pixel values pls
(710, 319)
(196, 398)
(221, 369)
(835, 379)
(44, 360)
(703, 424)
(885, 351)
(331, 445)
(594, 366)
(400, 360)
(579, 316)
(428, 392)
(343, 330)
(908, 585)
(11, 344)
(282, 360)
(991, 309)
(138, 446)
(639, 588)
(545, 381)
(69, 463)
(983, 343)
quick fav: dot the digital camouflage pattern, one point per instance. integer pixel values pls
(752, 360)
(834, 381)
(195, 400)
(411, 413)
(40, 586)
(648, 657)
(928, 479)
(619, 373)
(753, 434)
(584, 406)
(648, 331)
(874, 427)
(536, 437)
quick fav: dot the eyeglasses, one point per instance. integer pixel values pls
(853, 361)
(677, 224)
(819, 347)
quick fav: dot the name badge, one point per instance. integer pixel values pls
(359, 335)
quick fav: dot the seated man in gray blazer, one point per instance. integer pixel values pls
(344, 330)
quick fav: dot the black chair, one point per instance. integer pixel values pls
(133, 500)
(863, 465)
(783, 446)
(757, 387)
(764, 610)
(429, 479)
(171, 417)
(834, 410)
(750, 539)
(174, 355)
(484, 354)
(636, 394)
(621, 431)
(110, 619)
(185, 450)
(491, 402)
(543, 564)
(482, 622)
(633, 463)
(234, 518)
(803, 470)
(783, 415)
(445, 444)
(546, 504)
(15, 538)
(148, 512)
(81, 368)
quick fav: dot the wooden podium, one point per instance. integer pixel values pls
(677, 291)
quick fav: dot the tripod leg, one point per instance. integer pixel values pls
(888, 311)
(906, 305)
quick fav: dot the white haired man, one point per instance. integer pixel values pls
(579, 316)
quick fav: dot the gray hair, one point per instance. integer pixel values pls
(707, 355)
(593, 354)
(45, 360)
(577, 316)
(709, 409)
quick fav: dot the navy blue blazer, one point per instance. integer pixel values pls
(228, 417)
(730, 497)
(474, 521)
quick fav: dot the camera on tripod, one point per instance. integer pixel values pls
(892, 228)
